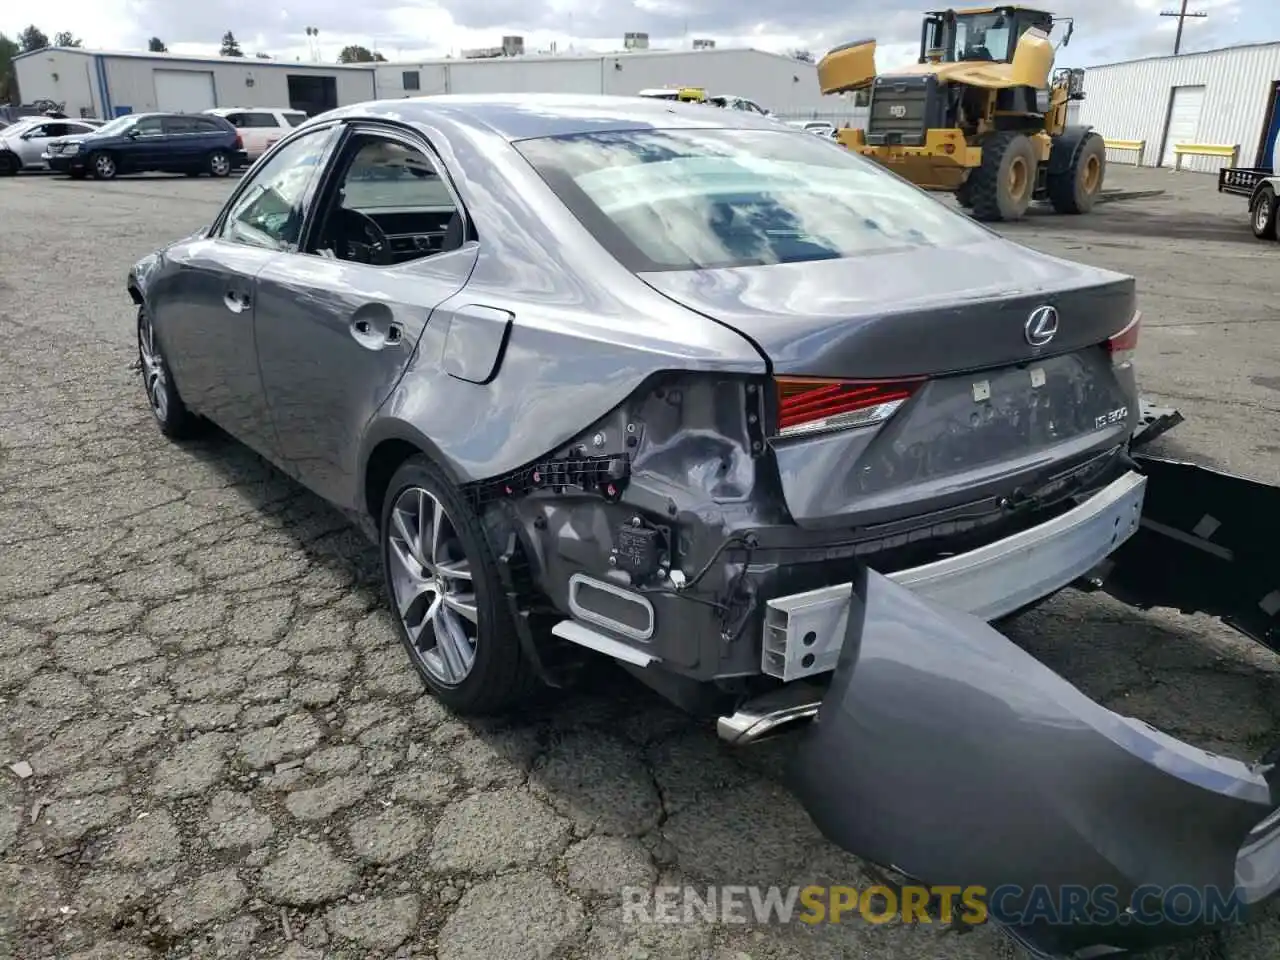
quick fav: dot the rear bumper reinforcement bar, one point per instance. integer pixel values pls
(803, 632)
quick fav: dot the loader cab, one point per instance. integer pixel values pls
(988, 35)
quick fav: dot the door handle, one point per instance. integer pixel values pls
(236, 301)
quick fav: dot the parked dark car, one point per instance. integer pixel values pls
(768, 426)
(152, 142)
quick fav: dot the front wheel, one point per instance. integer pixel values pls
(1262, 215)
(172, 416)
(8, 165)
(446, 595)
(1001, 188)
(103, 166)
(219, 164)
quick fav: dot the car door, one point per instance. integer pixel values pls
(143, 146)
(337, 324)
(208, 324)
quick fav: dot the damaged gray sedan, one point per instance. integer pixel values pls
(774, 430)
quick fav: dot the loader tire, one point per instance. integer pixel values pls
(1076, 189)
(1001, 188)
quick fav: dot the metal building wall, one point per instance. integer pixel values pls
(1130, 101)
(63, 76)
(786, 86)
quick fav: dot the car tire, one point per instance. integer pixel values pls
(8, 164)
(103, 166)
(219, 164)
(1262, 214)
(434, 548)
(1076, 189)
(1002, 187)
(172, 416)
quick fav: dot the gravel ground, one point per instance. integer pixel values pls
(229, 755)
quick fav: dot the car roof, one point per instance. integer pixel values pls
(526, 116)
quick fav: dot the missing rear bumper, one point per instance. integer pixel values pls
(803, 633)
(933, 717)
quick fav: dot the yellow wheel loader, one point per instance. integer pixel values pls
(982, 114)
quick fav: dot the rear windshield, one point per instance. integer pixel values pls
(687, 199)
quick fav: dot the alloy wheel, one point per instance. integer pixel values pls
(1261, 211)
(219, 165)
(431, 582)
(104, 166)
(153, 373)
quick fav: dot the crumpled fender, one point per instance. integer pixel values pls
(944, 751)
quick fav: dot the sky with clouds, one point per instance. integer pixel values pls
(1105, 30)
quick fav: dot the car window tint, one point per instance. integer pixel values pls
(268, 211)
(75, 128)
(690, 199)
(206, 125)
(235, 119)
(149, 126)
(295, 119)
(395, 189)
(174, 125)
(259, 120)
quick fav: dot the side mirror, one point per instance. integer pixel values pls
(132, 134)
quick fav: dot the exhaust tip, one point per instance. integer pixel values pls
(778, 712)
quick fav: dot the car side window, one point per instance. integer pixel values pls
(39, 130)
(235, 119)
(390, 206)
(259, 120)
(206, 125)
(268, 210)
(175, 125)
(149, 127)
(296, 119)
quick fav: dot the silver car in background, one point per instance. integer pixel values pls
(24, 144)
(779, 433)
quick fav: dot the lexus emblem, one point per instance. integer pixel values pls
(1041, 326)
(898, 111)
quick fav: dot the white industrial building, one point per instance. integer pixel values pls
(95, 83)
(106, 84)
(782, 84)
(1223, 97)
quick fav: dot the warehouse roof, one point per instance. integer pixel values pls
(197, 58)
(1189, 53)
(295, 64)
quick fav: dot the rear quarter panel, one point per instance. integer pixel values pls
(586, 332)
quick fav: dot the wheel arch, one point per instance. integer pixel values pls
(388, 445)
(1066, 145)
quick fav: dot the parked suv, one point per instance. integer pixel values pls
(259, 127)
(24, 143)
(187, 143)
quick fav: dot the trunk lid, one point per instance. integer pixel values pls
(924, 310)
(992, 412)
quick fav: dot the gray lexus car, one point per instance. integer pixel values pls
(780, 434)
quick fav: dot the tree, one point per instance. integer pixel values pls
(8, 82)
(358, 54)
(65, 38)
(156, 45)
(32, 38)
(230, 46)
(803, 55)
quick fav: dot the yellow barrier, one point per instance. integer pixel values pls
(1137, 146)
(1229, 152)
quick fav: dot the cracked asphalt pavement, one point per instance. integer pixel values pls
(223, 752)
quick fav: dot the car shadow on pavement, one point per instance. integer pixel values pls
(614, 787)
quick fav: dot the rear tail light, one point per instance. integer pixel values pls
(1124, 344)
(239, 142)
(807, 406)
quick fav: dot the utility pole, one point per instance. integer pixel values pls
(1182, 18)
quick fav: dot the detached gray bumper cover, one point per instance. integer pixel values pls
(946, 752)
